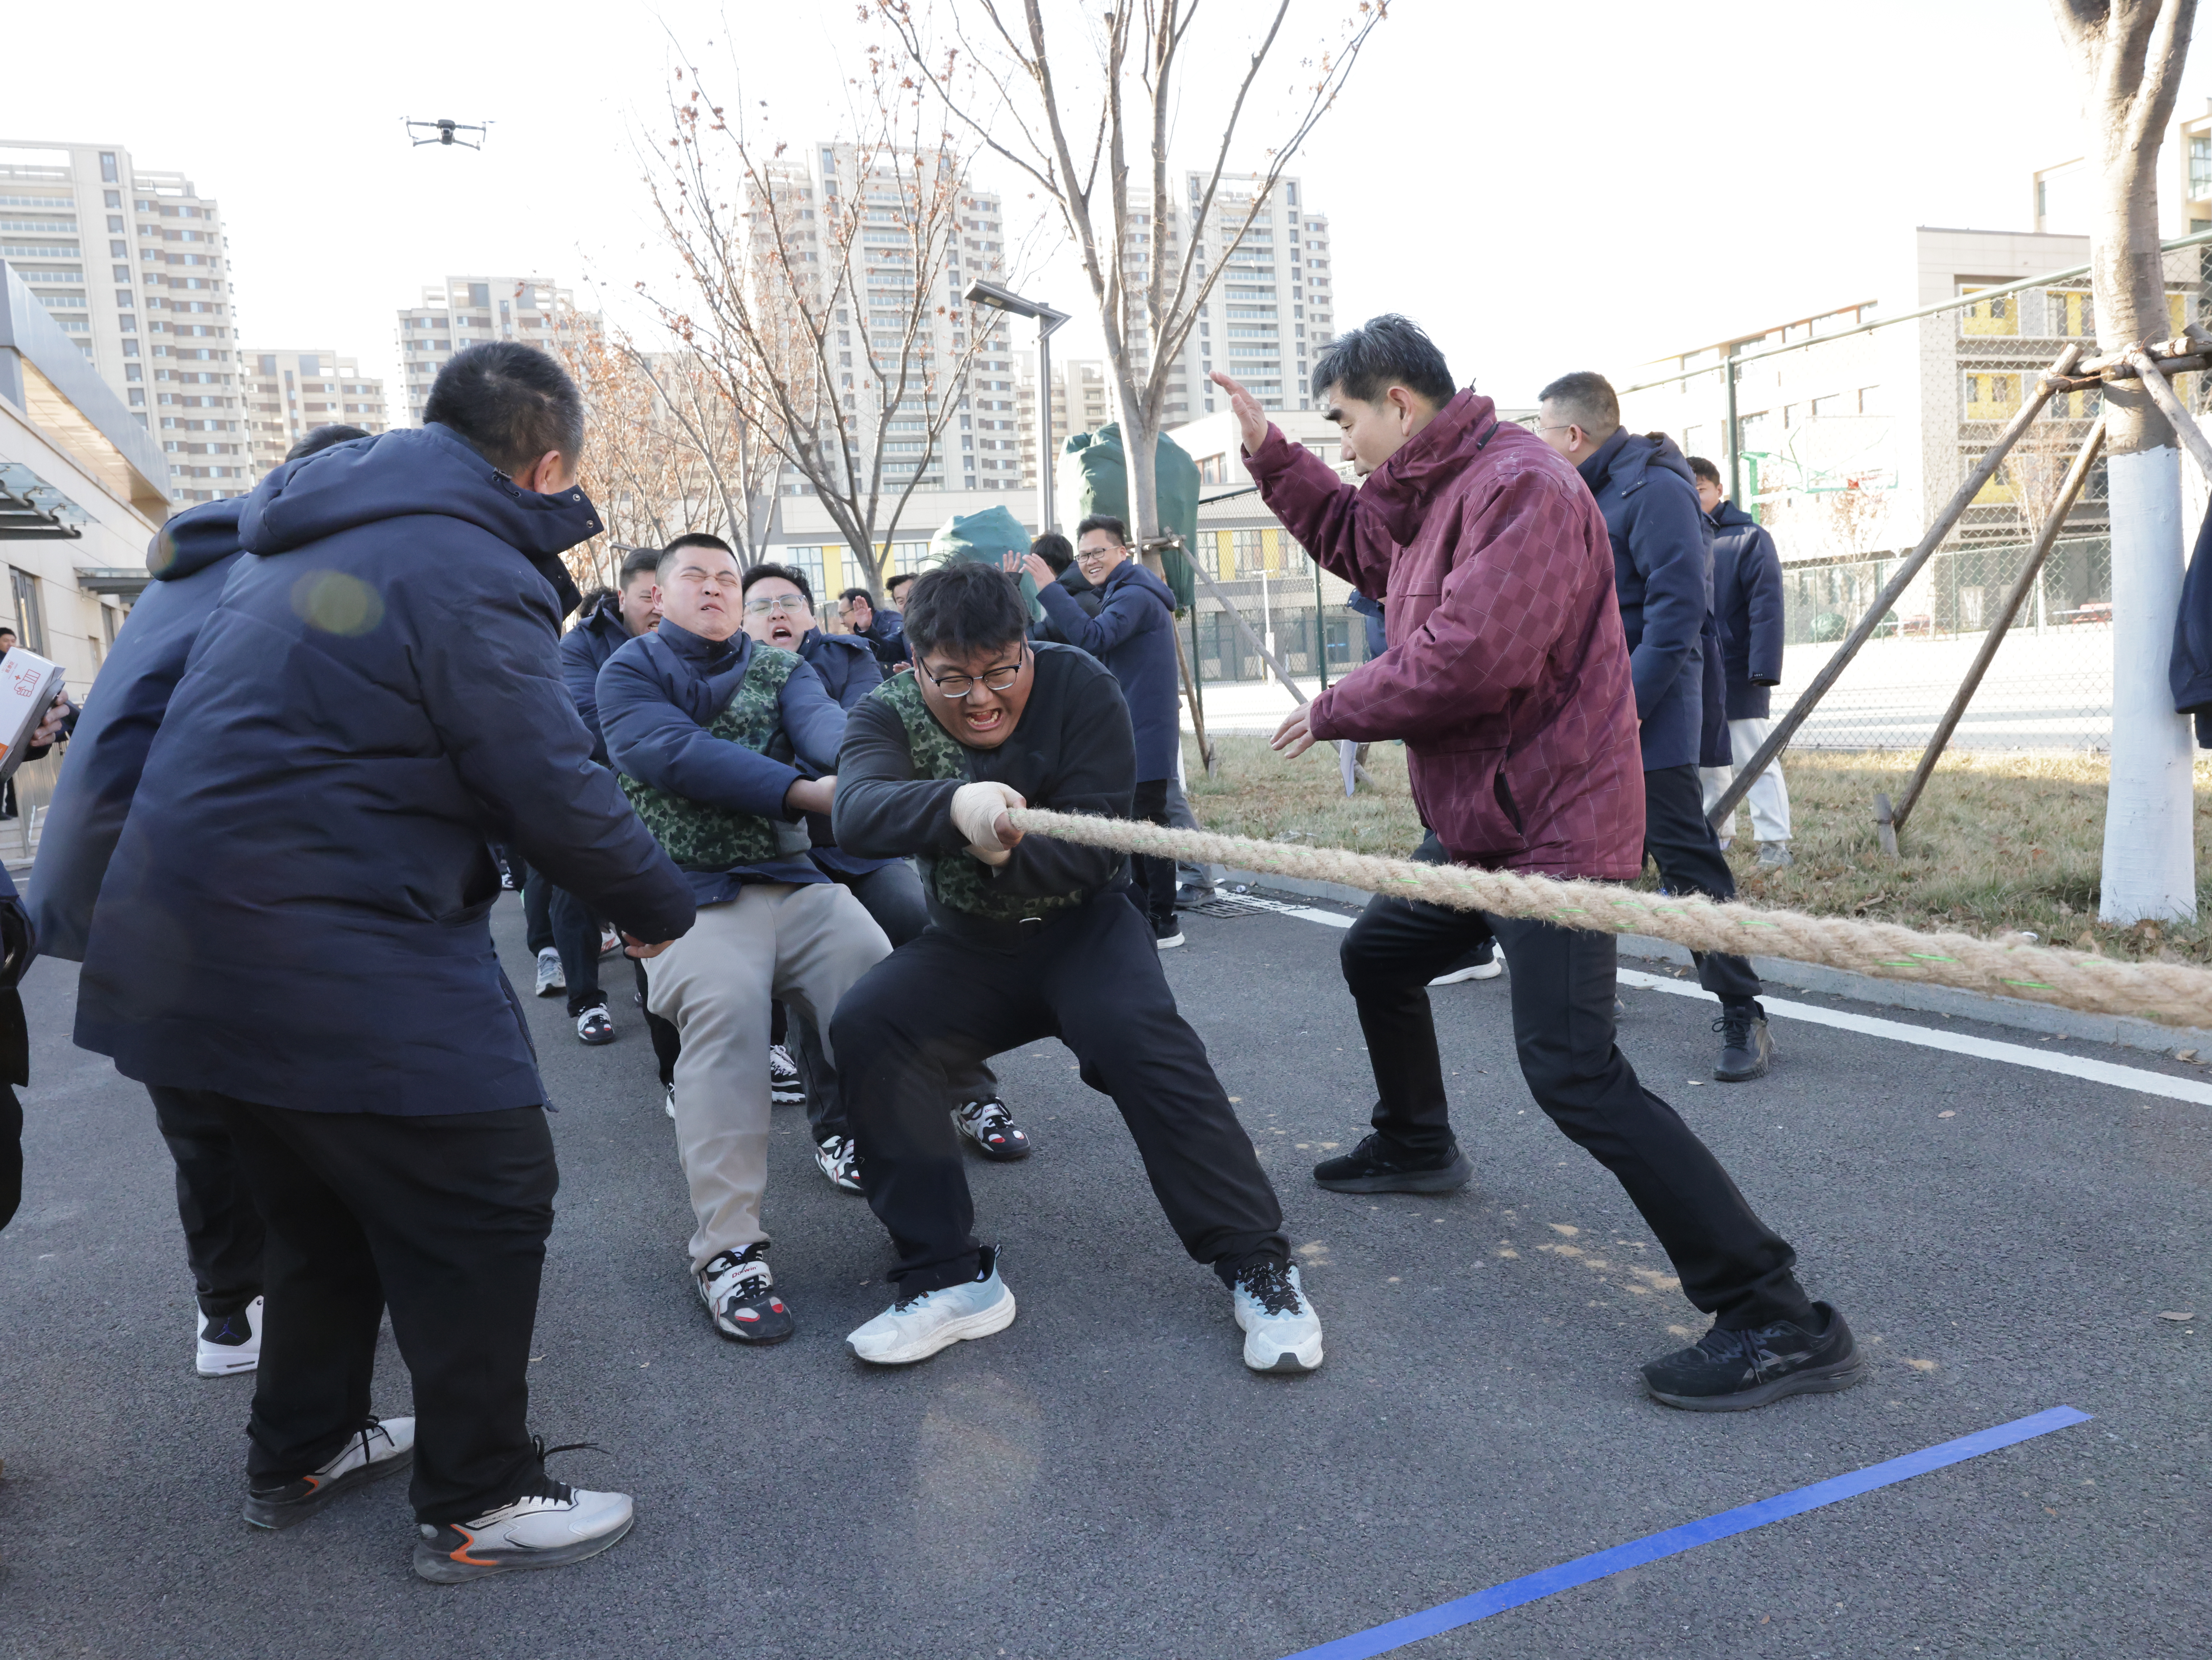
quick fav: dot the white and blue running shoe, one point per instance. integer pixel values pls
(1282, 1333)
(913, 1329)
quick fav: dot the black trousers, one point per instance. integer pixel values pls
(11, 1154)
(1731, 1264)
(1093, 979)
(893, 897)
(444, 1218)
(222, 1229)
(667, 1041)
(576, 937)
(1677, 839)
(1153, 881)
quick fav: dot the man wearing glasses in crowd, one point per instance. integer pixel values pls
(1032, 939)
(778, 611)
(1133, 636)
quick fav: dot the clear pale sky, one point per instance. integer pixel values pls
(1545, 187)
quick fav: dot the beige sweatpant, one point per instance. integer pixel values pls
(802, 944)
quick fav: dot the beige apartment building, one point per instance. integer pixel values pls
(462, 311)
(132, 265)
(288, 395)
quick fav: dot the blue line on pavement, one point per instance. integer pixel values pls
(1464, 1610)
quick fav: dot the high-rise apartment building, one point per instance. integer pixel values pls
(1083, 400)
(464, 310)
(1273, 305)
(132, 265)
(288, 395)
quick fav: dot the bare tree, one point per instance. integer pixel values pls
(827, 318)
(999, 78)
(631, 471)
(2130, 54)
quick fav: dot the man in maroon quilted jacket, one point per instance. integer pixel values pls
(1507, 675)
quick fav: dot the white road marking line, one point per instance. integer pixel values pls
(1956, 1043)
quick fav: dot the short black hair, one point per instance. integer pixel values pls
(1054, 549)
(639, 561)
(695, 539)
(1587, 396)
(762, 573)
(964, 607)
(1384, 352)
(857, 593)
(321, 438)
(1107, 522)
(890, 583)
(511, 402)
(1707, 470)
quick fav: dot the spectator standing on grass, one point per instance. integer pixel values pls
(1509, 678)
(1660, 568)
(1133, 636)
(879, 628)
(778, 611)
(190, 561)
(294, 926)
(1747, 607)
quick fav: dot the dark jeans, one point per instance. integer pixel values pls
(1153, 881)
(576, 937)
(1731, 1264)
(222, 1229)
(943, 1002)
(893, 897)
(1677, 839)
(537, 894)
(446, 1219)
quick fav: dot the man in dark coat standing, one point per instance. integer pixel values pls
(1509, 680)
(1645, 490)
(1747, 610)
(295, 924)
(878, 626)
(190, 562)
(1133, 636)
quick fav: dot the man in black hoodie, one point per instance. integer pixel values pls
(190, 561)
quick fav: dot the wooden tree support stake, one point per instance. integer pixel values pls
(2069, 491)
(2192, 435)
(1885, 824)
(1748, 773)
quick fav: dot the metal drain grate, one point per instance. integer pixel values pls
(1226, 906)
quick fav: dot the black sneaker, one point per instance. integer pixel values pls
(1746, 1047)
(1167, 932)
(594, 1027)
(1736, 1371)
(1374, 1167)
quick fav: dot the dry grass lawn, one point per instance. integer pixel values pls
(1998, 842)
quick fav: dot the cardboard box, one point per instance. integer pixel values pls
(29, 685)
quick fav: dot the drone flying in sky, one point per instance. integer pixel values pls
(448, 133)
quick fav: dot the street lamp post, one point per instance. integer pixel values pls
(997, 299)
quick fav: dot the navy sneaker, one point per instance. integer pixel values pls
(1736, 1371)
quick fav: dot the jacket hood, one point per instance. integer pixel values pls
(603, 615)
(1131, 572)
(1428, 460)
(1628, 457)
(194, 540)
(1727, 516)
(414, 471)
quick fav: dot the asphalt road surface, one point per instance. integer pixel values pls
(1105, 1479)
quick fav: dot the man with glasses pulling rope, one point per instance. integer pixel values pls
(1507, 675)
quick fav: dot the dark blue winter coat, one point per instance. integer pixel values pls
(849, 671)
(1133, 636)
(1370, 613)
(658, 695)
(584, 651)
(1648, 497)
(297, 909)
(1747, 606)
(887, 635)
(2189, 668)
(190, 560)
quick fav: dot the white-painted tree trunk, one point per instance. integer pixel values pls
(2150, 860)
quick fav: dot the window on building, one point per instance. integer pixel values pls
(1991, 396)
(107, 174)
(30, 615)
(1998, 314)
(2199, 166)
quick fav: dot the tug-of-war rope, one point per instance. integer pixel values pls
(2172, 992)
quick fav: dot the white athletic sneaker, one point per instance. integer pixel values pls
(739, 1292)
(914, 1329)
(377, 1449)
(536, 1531)
(1486, 962)
(550, 979)
(785, 1086)
(230, 1343)
(840, 1160)
(670, 1102)
(1282, 1333)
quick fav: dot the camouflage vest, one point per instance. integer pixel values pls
(701, 838)
(956, 881)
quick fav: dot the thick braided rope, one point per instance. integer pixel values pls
(2172, 993)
